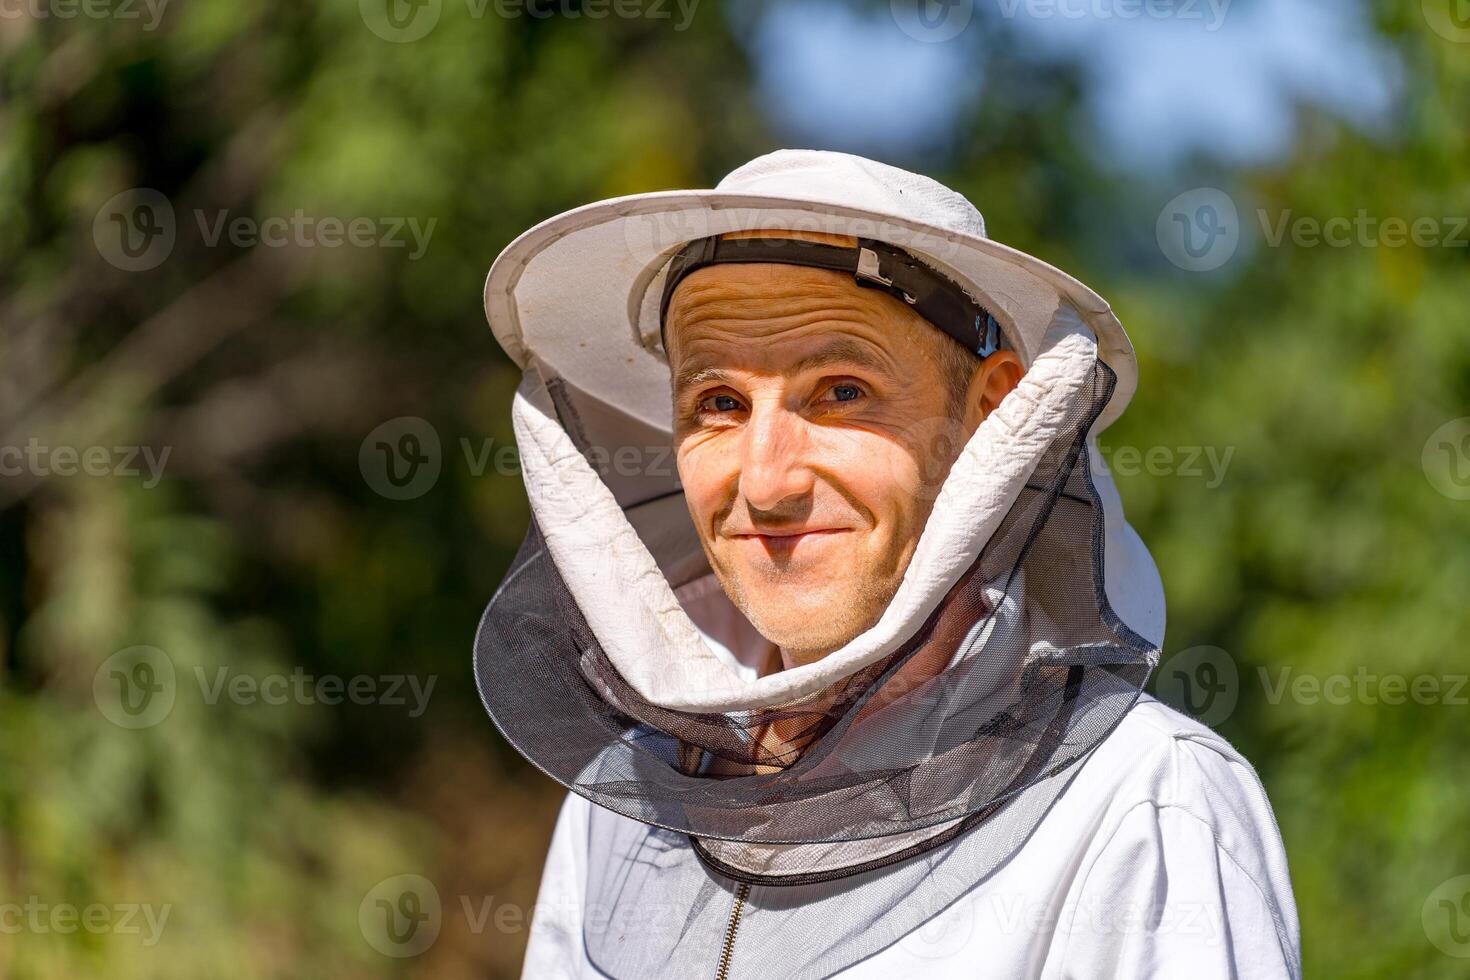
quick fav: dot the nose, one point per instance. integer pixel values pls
(774, 471)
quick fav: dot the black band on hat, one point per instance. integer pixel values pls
(874, 264)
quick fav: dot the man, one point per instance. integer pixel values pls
(854, 686)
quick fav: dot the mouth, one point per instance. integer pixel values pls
(786, 542)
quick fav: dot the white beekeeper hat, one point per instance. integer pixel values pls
(582, 289)
(1026, 579)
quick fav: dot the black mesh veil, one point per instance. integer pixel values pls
(1021, 669)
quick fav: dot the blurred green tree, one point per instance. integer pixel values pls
(1321, 550)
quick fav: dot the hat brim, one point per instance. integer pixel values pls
(579, 292)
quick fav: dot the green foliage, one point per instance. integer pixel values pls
(1323, 371)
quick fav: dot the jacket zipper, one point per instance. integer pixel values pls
(722, 972)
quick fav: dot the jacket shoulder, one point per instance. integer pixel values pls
(1168, 770)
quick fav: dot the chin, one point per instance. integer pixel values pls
(823, 619)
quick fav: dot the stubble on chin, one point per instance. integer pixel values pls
(807, 631)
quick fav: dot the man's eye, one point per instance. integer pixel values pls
(845, 392)
(720, 403)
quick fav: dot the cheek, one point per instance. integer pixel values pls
(930, 447)
(876, 471)
(706, 471)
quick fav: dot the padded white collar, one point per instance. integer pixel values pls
(651, 640)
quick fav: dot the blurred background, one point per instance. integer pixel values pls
(242, 246)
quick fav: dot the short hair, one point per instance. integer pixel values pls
(958, 366)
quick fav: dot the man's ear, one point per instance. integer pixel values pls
(993, 380)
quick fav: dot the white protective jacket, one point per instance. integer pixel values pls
(1162, 859)
(1147, 850)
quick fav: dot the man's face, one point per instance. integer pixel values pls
(814, 420)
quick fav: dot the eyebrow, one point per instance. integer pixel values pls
(843, 351)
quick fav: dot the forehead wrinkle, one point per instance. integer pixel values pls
(734, 303)
(762, 324)
(842, 349)
(721, 289)
(753, 317)
(755, 306)
(845, 350)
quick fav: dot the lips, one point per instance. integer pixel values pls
(786, 542)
